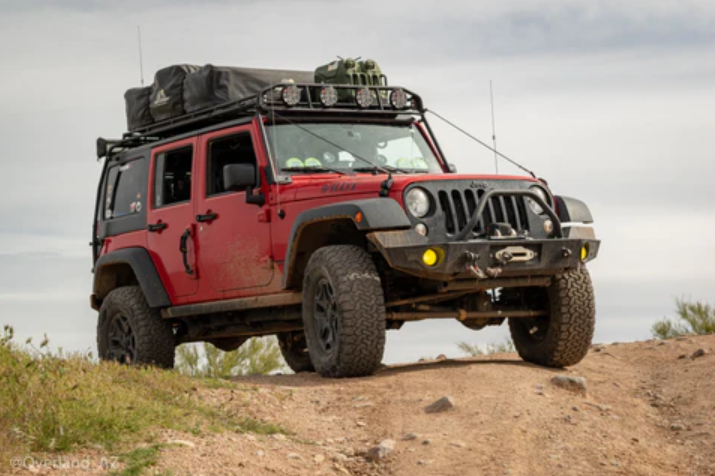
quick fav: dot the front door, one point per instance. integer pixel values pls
(234, 236)
(172, 231)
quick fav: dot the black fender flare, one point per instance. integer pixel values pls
(375, 214)
(571, 210)
(141, 264)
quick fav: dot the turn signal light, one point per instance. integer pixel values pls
(584, 252)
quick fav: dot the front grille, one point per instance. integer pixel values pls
(459, 205)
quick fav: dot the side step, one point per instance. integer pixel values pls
(228, 305)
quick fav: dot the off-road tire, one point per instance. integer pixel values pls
(571, 323)
(154, 341)
(359, 310)
(294, 349)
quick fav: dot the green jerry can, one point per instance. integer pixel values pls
(351, 71)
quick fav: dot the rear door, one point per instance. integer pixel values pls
(172, 233)
(234, 236)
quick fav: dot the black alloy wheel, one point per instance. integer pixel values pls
(325, 313)
(122, 343)
(131, 333)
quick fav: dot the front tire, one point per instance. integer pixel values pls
(564, 336)
(343, 312)
(130, 332)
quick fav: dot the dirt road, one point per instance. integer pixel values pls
(646, 411)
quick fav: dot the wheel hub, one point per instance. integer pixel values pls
(122, 343)
(326, 315)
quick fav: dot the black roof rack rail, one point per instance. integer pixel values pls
(270, 99)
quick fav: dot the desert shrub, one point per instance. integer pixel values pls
(696, 318)
(257, 356)
(474, 350)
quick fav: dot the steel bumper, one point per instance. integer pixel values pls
(486, 258)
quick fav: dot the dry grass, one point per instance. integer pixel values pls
(55, 403)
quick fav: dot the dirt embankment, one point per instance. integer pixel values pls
(648, 408)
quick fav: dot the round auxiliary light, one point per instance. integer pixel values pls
(430, 257)
(548, 226)
(291, 95)
(421, 228)
(328, 96)
(398, 99)
(363, 97)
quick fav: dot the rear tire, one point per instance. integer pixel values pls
(564, 336)
(295, 351)
(130, 332)
(343, 312)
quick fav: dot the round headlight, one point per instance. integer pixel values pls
(417, 202)
(535, 207)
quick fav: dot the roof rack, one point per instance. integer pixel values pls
(306, 98)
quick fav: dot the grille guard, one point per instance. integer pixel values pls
(484, 200)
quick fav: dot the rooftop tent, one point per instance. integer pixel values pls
(137, 104)
(213, 85)
(166, 99)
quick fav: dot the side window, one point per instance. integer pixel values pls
(235, 149)
(124, 189)
(172, 176)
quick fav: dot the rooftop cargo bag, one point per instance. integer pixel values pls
(137, 104)
(167, 91)
(212, 85)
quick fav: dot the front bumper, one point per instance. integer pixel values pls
(486, 258)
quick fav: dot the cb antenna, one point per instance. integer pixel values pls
(141, 59)
(494, 129)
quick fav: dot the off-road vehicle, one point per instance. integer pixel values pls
(320, 208)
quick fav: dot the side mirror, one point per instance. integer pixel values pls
(238, 177)
(452, 168)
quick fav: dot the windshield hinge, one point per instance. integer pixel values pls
(386, 185)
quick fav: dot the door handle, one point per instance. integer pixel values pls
(208, 216)
(156, 226)
(182, 247)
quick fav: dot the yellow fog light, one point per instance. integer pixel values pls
(584, 252)
(430, 257)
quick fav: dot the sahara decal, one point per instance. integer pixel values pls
(339, 187)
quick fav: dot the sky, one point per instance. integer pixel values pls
(611, 102)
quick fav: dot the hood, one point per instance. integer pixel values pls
(307, 187)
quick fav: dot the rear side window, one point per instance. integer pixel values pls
(172, 175)
(124, 194)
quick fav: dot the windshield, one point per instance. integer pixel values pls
(307, 147)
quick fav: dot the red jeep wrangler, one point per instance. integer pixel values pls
(326, 214)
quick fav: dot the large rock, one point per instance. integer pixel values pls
(378, 452)
(573, 384)
(441, 405)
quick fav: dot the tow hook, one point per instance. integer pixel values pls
(471, 265)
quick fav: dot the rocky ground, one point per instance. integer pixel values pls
(645, 408)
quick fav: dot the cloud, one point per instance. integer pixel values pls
(611, 102)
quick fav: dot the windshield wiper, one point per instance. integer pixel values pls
(312, 170)
(387, 169)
